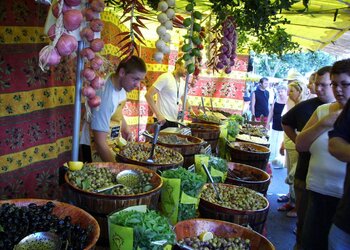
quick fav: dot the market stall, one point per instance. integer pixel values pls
(43, 107)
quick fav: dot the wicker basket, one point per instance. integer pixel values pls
(254, 218)
(153, 166)
(62, 210)
(194, 227)
(186, 150)
(257, 159)
(208, 132)
(261, 184)
(101, 205)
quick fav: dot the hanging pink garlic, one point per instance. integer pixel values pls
(72, 19)
(88, 53)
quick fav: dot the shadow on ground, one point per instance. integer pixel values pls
(279, 226)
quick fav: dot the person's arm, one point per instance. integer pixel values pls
(269, 118)
(313, 129)
(102, 147)
(152, 91)
(126, 133)
(339, 148)
(290, 132)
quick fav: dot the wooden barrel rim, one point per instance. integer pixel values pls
(231, 210)
(254, 145)
(209, 127)
(127, 166)
(199, 120)
(268, 177)
(195, 141)
(144, 163)
(234, 229)
(94, 235)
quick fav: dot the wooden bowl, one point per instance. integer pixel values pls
(194, 227)
(62, 210)
(254, 218)
(153, 166)
(260, 184)
(186, 150)
(156, 180)
(101, 205)
(258, 159)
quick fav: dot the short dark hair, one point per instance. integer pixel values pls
(342, 66)
(263, 79)
(324, 70)
(132, 64)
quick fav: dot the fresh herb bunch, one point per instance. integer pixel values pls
(233, 125)
(191, 183)
(219, 164)
(148, 227)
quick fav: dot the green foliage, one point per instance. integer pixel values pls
(148, 227)
(191, 183)
(303, 62)
(233, 124)
(257, 19)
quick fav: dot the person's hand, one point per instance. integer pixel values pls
(127, 134)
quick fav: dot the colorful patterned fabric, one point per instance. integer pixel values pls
(36, 108)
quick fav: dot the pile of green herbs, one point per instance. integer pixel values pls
(219, 164)
(149, 227)
(191, 184)
(233, 124)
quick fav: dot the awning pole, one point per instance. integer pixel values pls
(77, 103)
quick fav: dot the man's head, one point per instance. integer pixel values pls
(323, 85)
(311, 84)
(264, 83)
(131, 71)
(340, 78)
(180, 69)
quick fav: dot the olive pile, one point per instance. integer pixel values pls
(238, 198)
(243, 175)
(173, 139)
(91, 178)
(18, 222)
(209, 118)
(247, 148)
(259, 131)
(217, 243)
(141, 152)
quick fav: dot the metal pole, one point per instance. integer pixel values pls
(77, 103)
(185, 97)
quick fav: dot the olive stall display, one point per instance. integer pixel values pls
(238, 198)
(139, 152)
(249, 153)
(208, 241)
(235, 204)
(173, 139)
(210, 234)
(92, 179)
(188, 146)
(20, 218)
(84, 188)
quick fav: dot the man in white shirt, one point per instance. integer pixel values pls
(170, 89)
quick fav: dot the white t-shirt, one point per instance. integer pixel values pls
(326, 173)
(101, 116)
(169, 97)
